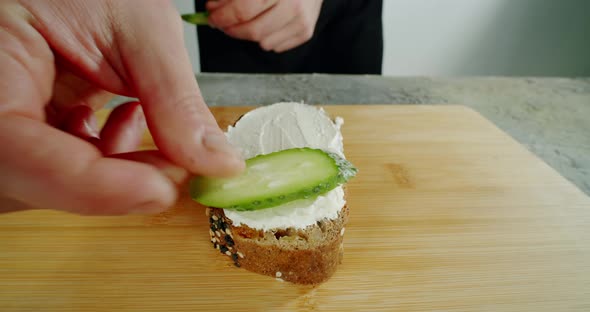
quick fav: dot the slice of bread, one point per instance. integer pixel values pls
(302, 256)
(305, 256)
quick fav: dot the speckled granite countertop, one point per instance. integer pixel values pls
(550, 116)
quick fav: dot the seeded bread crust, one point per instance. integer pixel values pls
(307, 256)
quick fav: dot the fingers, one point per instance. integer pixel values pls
(263, 25)
(48, 168)
(80, 37)
(175, 173)
(70, 90)
(181, 124)
(211, 5)
(28, 70)
(294, 41)
(298, 31)
(290, 31)
(139, 50)
(11, 205)
(233, 12)
(123, 130)
(121, 133)
(80, 122)
(280, 27)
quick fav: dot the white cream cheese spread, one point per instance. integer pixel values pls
(282, 126)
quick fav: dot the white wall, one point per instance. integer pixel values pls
(190, 33)
(487, 37)
(475, 37)
(430, 37)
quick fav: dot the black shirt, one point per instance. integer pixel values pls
(348, 39)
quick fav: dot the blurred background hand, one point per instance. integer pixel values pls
(277, 25)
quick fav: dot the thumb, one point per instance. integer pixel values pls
(151, 46)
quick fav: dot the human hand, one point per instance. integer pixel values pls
(59, 59)
(277, 25)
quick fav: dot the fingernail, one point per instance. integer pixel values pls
(176, 174)
(91, 126)
(217, 143)
(140, 120)
(149, 207)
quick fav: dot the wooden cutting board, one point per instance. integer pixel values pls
(447, 213)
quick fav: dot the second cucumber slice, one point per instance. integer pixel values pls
(274, 179)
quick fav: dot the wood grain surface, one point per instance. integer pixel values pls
(447, 213)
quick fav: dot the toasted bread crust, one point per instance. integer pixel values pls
(308, 256)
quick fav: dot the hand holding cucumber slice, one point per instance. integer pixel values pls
(274, 179)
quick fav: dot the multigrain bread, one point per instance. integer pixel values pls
(305, 256)
(302, 256)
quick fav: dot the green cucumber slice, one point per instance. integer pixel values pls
(274, 179)
(198, 18)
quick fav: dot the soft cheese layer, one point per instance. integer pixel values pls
(282, 126)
